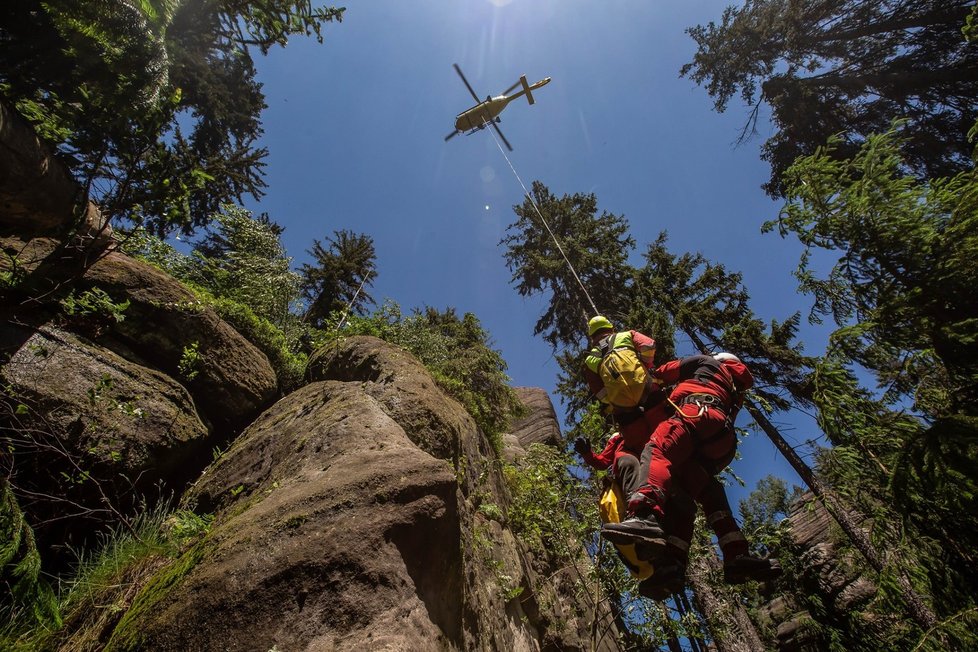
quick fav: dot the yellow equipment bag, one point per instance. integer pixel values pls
(612, 508)
(624, 377)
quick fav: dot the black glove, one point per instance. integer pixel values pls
(582, 446)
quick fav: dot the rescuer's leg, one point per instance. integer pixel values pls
(739, 565)
(671, 444)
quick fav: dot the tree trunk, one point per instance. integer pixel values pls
(731, 626)
(917, 609)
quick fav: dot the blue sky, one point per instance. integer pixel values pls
(355, 130)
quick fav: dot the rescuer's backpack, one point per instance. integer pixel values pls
(622, 373)
(612, 507)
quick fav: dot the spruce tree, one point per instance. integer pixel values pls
(153, 105)
(845, 66)
(337, 281)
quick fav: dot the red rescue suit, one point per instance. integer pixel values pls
(699, 441)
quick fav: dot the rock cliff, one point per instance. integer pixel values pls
(826, 576)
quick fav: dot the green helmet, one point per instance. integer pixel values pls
(598, 323)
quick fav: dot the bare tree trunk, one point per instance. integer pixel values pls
(917, 609)
(731, 626)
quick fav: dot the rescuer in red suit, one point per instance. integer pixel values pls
(689, 449)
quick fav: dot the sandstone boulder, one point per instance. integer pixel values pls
(37, 194)
(338, 529)
(96, 431)
(400, 382)
(537, 426)
(233, 380)
(338, 534)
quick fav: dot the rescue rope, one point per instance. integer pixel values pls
(547, 226)
(349, 306)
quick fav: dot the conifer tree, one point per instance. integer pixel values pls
(338, 279)
(153, 105)
(242, 258)
(846, 66)
(900, 297)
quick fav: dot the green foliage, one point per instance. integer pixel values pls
(189, 365)
(596, 246)
(763, 513)
(116, 87)
(491, 511)
(140, 243)
(28, 600)
(845, 66)
(898, 293)
(336, 281)
(457, 352)
(899, 296)
(94, 596)
(94, 304)
(239, 262)
(551, 510)
(900, 289)
(707, 302)
(279, 347)
(12, 274)
(668, 292)
(242, 259)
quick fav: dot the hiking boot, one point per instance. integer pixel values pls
(648, 553)
(668, 579)
(637, 530)
(744, 568)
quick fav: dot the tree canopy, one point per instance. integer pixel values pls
(901, 288)
(848, 67)
(153, 105)
(337, 279)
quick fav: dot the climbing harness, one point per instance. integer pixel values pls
(547, 226)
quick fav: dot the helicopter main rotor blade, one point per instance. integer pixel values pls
(498, 131)
(506, 92)
(451, 135)
(466, 81)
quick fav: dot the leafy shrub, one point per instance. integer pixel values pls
(551, 509)
(458, 354)
(92, 311)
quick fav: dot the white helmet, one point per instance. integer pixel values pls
(726, 357)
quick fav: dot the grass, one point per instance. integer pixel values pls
(107, 583)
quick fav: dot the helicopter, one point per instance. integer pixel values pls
(486, 112)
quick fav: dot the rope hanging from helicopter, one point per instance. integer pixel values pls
(544, 221)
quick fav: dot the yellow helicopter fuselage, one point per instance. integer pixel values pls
(485, 112)
(480, 114)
